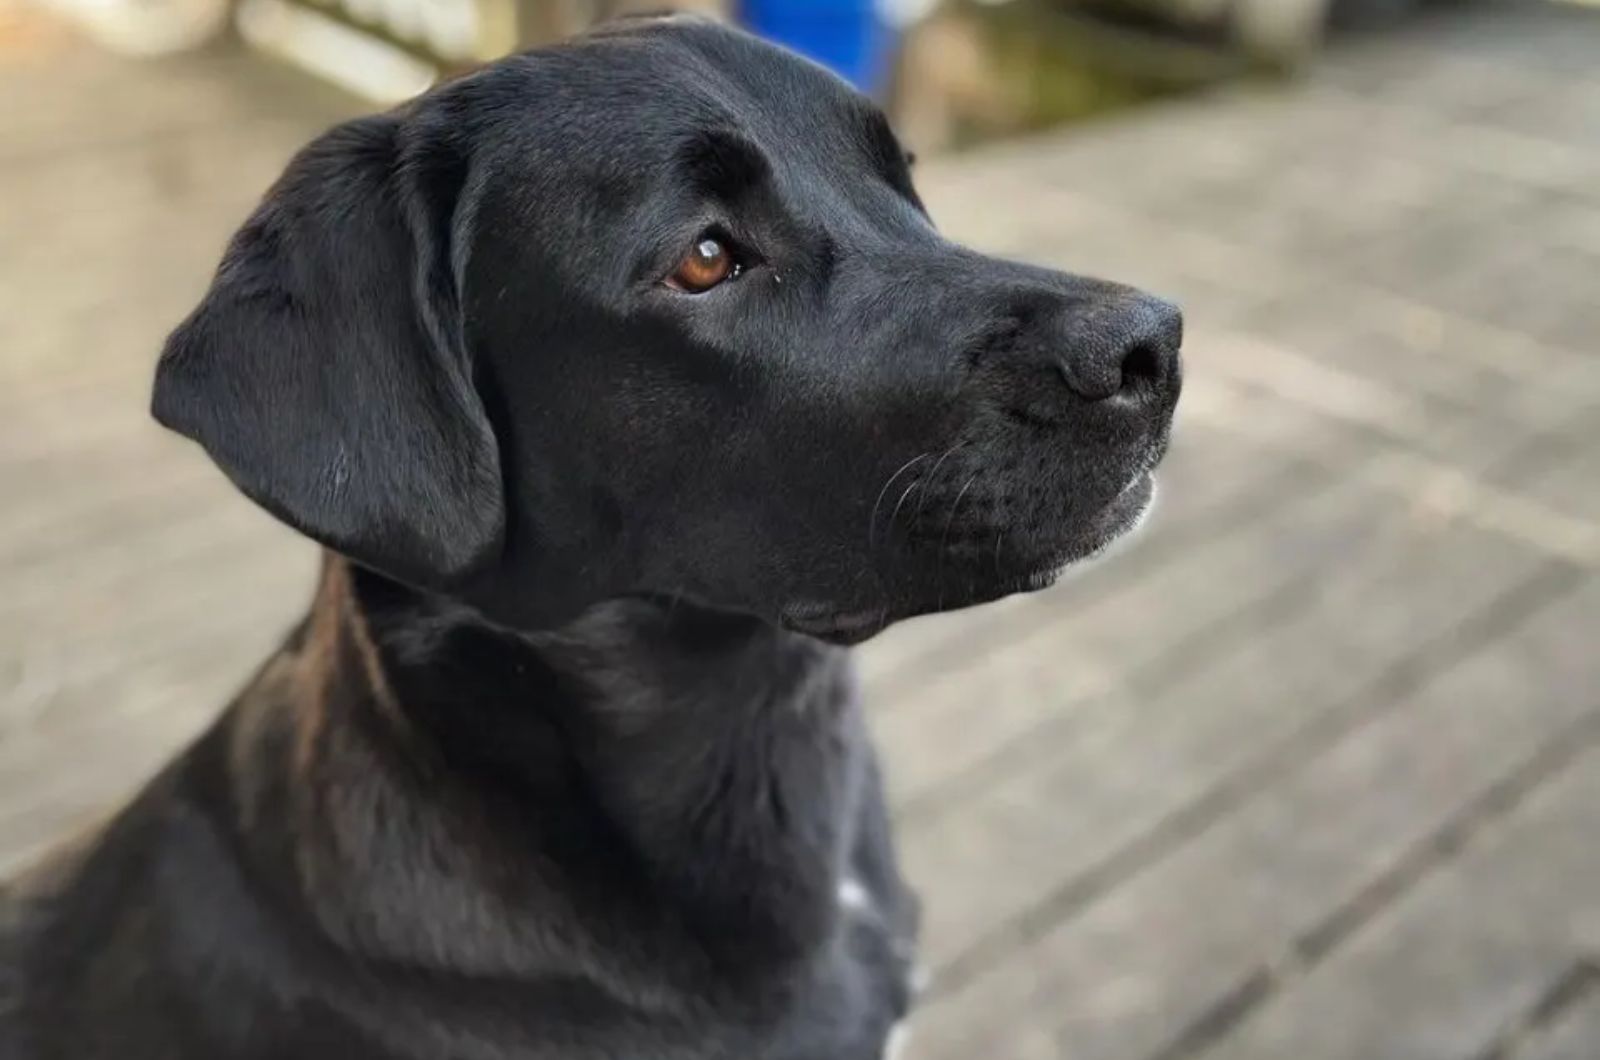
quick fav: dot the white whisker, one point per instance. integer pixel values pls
(872, 521)
(931, 479)
(900, 503)
(955, 507)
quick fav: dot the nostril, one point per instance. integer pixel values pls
(1142, 368)
(1125, 346)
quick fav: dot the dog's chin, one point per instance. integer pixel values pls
(1117, 522)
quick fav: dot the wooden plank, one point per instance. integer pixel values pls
(1157, 966)
(1075, 794)
(1464, 955)
(1063, 647)
(1572, 1033)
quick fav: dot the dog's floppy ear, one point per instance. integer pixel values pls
(325, 370)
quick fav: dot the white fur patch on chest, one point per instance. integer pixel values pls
(855, 898)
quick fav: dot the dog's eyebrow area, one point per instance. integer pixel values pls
(723, 164)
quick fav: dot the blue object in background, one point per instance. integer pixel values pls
(847, 36)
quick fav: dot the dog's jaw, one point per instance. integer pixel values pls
(1127, 518)
(1118, 524)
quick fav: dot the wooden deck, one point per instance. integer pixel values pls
(1311, 771)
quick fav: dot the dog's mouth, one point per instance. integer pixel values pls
(839, 627)
(1116, 521)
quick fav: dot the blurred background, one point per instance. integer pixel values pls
(1311, 770)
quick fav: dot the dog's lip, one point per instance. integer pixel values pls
(1116, 521)
(830, 623)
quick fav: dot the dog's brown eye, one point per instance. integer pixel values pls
(708, 264)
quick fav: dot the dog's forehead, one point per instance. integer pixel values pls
(698, 73)
(627, 118)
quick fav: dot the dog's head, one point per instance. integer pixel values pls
(659, 312)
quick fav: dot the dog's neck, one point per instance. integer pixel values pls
(656, 778)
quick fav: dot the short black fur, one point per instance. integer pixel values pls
(567, 758)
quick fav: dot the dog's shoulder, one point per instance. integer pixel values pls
(105, 940)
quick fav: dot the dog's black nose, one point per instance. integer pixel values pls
(1126, 346)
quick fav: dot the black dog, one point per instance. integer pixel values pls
(625, 381)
